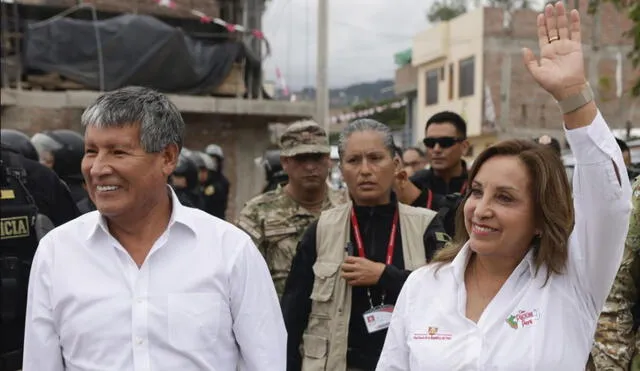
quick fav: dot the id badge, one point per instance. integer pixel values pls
(378, 318)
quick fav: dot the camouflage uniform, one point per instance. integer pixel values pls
(274, 220)
(617, 342)
(276, 223)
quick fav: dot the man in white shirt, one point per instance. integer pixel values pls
(145, 283)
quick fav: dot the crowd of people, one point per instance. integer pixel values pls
(421, 263)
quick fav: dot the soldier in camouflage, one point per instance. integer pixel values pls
(277, 219)
(617, 340)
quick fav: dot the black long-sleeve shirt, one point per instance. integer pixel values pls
(375, 225)
(427, 179)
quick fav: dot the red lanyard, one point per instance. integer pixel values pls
(429, 198)
(392, 237)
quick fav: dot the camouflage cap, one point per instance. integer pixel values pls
(304, 137)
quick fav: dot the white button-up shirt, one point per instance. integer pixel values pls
(528, 325)
(202, 300)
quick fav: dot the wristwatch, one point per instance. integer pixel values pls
(576, 101)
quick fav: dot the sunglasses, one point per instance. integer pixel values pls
(444, 142)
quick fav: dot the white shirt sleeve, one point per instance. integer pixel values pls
(602, 201)
(42, 350)
(258, 324)
(395, 353)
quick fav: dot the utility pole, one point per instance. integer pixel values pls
(322, 88)
(505, 80)
(252, 20)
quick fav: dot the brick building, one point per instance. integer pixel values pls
(473, 65)
(238, 123)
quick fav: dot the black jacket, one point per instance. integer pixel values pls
(375, 225)
(51, 195)
(215, 193)
(427, 179)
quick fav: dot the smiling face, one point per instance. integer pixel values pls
(368, 168)
(122, 179)
(499, 212)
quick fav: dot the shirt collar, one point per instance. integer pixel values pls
(179, 214)
(459, 263)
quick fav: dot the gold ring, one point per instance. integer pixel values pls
(552, 39)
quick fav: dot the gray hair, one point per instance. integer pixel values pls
(160, 121)
(366, 125)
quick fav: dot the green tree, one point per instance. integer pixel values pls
(444, 10)
(632, 9)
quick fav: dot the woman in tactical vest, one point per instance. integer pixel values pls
(523, 283)
(352, 262)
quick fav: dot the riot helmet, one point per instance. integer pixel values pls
(216, 155)
(66, 148)
(185, 176)
(19, 142)
(275, 174)
(206, 164)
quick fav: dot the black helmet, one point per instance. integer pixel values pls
(187, 168)
(272, 165)
(20, 142)
(67, 149)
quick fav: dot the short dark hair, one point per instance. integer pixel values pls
(452, 118)
(397, 151)
(416, 149)
(623, 145)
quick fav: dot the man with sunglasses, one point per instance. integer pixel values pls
(446, 143)
(276, 220)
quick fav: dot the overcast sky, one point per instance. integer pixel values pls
(364, 35)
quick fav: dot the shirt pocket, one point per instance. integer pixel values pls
(194, 320)
(326, 275)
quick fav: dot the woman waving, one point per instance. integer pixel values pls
(524, 281)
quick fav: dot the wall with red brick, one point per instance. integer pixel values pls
(533, 108)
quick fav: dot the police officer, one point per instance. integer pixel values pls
(62, 150)
(20, 142)
(216, 188)
(184, 180)
(276, 176)
(33, 201)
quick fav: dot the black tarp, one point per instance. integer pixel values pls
(136, 50)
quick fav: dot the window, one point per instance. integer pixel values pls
(466, 77)
(432, 87)
(451, 81)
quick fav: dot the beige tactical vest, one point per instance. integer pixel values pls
(324, 342)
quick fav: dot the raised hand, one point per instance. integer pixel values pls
(560, 70)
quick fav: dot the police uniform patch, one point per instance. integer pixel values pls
(7, 194)
(15, 227)
(209, 190)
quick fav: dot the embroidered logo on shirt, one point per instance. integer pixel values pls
(432, 333)
(523, 319)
